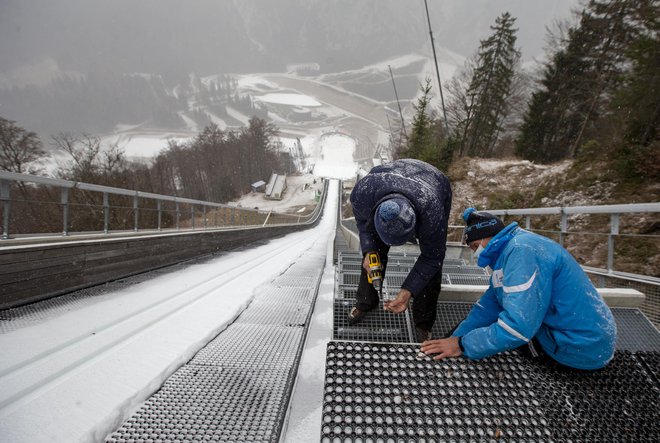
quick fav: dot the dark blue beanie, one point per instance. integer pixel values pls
(480, 225)
(395, 220)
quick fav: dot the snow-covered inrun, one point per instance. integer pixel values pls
(289, 99)
(336, 159)
(75, 377)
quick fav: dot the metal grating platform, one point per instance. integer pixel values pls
(394, 268)
(463, 270)
(449, 315)
(272, 312)
(350, 267)
(634, 331)
(287, 295)
(215, 404)
(395, 280)
(377, 325)
(286, 281)
(346, 291)
(389, 392)
(456, 279)
(349, 278)
(252, 346)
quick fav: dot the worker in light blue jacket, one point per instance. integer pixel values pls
(538, 297)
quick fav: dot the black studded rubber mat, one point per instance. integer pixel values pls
(390, 392)
(211, 404)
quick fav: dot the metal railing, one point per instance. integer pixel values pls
(615, 212)
(613, 221)
(138, 211)
(605, 274)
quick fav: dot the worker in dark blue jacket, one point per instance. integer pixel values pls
(538, 296)
(406, 200)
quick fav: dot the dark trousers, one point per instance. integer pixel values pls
(424, 304)
(535, 352)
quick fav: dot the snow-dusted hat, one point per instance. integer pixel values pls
(395, 220)
(480, 225)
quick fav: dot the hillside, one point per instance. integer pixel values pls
(512, 183)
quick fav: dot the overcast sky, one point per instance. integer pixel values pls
(252, 35)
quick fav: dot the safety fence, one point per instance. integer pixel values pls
(618, 245)
(42, 205)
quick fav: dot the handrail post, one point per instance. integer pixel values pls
(135, 213)
(204, 215)
(528, 223)
(64, 200)
(5, 196)
(106, 212)
(614, 230)
(178, 214)
(267, 217)
(159, 206)
(563, 226)
(192, 215)
(231, 217)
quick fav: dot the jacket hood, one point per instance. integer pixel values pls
(491, 252)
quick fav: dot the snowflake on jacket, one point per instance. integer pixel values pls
(429, 191)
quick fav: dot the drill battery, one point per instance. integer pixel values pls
(375, 274)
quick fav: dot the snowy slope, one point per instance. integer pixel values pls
(75, 377)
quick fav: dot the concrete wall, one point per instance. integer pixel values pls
(37, 272)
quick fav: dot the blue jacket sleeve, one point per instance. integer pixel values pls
(525, 300)
(483, 313)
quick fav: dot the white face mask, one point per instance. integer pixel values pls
(477, 253)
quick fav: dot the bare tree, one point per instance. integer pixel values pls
(19, 148)
(90, 161)
(460, 104)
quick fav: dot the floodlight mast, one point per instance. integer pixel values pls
(437, 70)
(403, 124)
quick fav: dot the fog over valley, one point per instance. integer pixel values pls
(169, 65)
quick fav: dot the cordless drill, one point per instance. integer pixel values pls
(375, 274)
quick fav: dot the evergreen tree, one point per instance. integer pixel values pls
(427, 139)
(607, 30)
(548, 125)
(638, 101)
(420, 144)
(579, 82)
(490, 88)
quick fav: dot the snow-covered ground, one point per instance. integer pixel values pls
(333, 107)
(77, 376)
(289, 99)
(137, 145)
(299, 195)
(74, 377)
